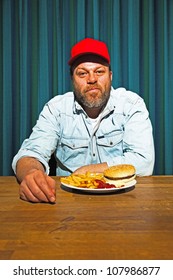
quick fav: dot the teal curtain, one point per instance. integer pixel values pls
(35, 41)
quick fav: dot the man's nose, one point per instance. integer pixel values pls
(92, 78)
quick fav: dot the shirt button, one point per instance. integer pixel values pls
(94, 155)
(111, 143)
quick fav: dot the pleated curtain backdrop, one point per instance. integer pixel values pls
(35, 41)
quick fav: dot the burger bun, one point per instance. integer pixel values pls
(120, 174)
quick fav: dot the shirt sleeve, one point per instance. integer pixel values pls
(138, 144)
(43, 140)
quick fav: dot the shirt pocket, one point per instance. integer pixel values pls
(110, 145)
(72, 150)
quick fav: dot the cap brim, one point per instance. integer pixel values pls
(88, 57)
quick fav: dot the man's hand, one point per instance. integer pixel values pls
(36, 186)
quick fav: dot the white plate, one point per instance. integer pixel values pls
(127, 186)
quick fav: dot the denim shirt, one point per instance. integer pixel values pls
(123, 134)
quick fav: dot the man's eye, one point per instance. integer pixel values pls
(82, 74)
(100, 72)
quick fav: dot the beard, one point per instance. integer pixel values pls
(93, 99)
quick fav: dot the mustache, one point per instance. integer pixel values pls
(91, 88)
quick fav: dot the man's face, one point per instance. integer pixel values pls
(92, 84)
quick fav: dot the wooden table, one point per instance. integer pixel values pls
(136, 224)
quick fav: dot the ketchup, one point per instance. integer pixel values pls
(104, 185)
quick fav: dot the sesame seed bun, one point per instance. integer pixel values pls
(120, 174)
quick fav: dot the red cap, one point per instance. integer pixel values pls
(89, 46)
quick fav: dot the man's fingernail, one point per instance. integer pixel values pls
(52, 199)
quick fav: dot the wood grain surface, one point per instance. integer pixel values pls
(135, 224)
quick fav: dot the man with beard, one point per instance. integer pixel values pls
(89, 129)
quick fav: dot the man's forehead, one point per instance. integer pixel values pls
(89, 65)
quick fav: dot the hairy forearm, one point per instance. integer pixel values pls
(25, 165)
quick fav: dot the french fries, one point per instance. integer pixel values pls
(87, 180)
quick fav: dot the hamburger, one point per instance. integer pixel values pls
(120, 174)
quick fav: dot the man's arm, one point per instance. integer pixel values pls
(26, 165)
(93, 168)
(35, 185)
